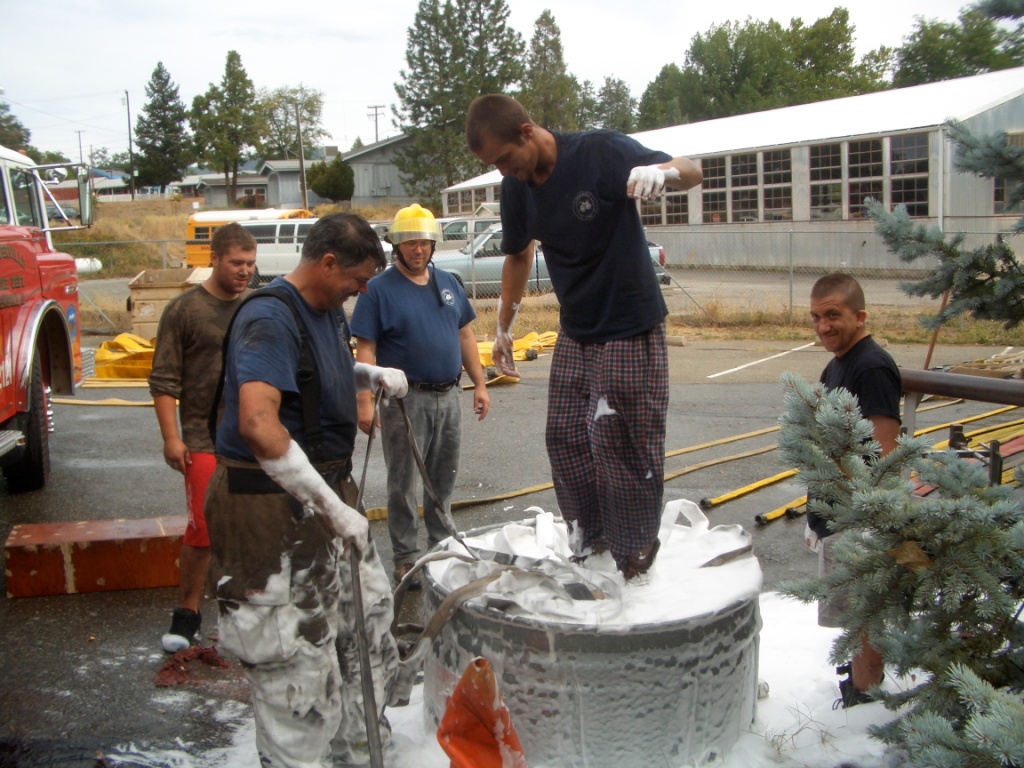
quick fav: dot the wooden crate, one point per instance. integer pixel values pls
(93, 556)
(151, 290)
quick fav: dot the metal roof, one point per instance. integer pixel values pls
(899, 109)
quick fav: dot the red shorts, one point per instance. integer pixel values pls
(197, 477)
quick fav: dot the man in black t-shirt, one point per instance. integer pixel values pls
(868, 372)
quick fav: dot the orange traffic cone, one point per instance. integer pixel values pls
(476, 730)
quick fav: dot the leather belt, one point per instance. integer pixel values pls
(253, 480)
(428, 387)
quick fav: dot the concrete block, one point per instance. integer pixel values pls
(93, 556)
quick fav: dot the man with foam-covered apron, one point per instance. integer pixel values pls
(279, 506)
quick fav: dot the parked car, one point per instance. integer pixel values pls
(459, 232)
(53, 212)
(658, 257)
(477, 266)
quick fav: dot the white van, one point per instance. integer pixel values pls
(279, 246)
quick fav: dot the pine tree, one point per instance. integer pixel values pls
(454, 53)
(587, 117)
(164, 147)
(334, 181)
(226, 122)
(987, 281)
(937, 582)
(615, 106)
(13, 134)
(549, 92)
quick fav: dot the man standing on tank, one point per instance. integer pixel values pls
(576, 193)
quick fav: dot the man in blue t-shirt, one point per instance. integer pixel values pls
(279, 506)
(861, 367)
(417, 318)
(577, 193)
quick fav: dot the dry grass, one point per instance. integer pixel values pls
(733, 322)
(166, 220)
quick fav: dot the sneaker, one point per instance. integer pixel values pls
(637, 565)
(185, 625)
(401, 570)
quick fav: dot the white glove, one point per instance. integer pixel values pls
(502, 352)
(811, 539)
(649, 180)
(391, 380)
(295, 474)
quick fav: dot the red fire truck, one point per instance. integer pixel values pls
(38, 316)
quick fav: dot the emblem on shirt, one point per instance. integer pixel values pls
(584, 206)
(448, 297)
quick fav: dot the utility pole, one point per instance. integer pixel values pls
(131, 152)
(302, 158)
(81, 157)
(378, 110)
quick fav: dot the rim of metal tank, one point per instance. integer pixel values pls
(590, 629)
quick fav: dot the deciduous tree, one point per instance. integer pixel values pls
(164, 146)
(280, 137)
(226, 122)
(941, 50)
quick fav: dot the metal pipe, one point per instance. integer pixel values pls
(982, 388)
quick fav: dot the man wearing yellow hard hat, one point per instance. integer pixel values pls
(417, 318)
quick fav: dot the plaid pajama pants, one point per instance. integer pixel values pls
(606, 438)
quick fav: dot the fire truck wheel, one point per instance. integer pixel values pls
(32, 469)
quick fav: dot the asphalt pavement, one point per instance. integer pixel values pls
(76, 671)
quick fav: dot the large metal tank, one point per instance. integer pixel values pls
(594, 693)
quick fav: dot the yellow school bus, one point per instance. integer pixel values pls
(201, 227)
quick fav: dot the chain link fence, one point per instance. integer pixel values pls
(712, 270)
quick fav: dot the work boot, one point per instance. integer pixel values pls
(185, 625)
(634, 567)
(849, 694)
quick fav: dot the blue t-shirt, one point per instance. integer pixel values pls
(594, 243)
(264, 346)
(411, 331)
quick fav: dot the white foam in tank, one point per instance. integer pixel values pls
(660, 673)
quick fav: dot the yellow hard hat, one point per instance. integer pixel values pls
(414, 223)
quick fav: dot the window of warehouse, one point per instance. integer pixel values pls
(908, 166)
(865, 172)
(826, 181)
(744, 187)
(778, 186)
(715, 205)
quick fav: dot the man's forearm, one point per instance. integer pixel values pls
(166, 408)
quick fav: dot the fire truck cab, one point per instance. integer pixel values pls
(39, 333)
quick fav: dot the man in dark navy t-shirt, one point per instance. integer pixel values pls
(608, 394)
(868, 372)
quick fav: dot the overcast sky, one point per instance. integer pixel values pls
(65, 65)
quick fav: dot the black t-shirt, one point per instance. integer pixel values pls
(594, 243)
(870, 374)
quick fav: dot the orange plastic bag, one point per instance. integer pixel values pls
(476, 730)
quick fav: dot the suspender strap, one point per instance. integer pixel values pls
(308, 376)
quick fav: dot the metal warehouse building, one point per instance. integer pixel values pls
(784, 189)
